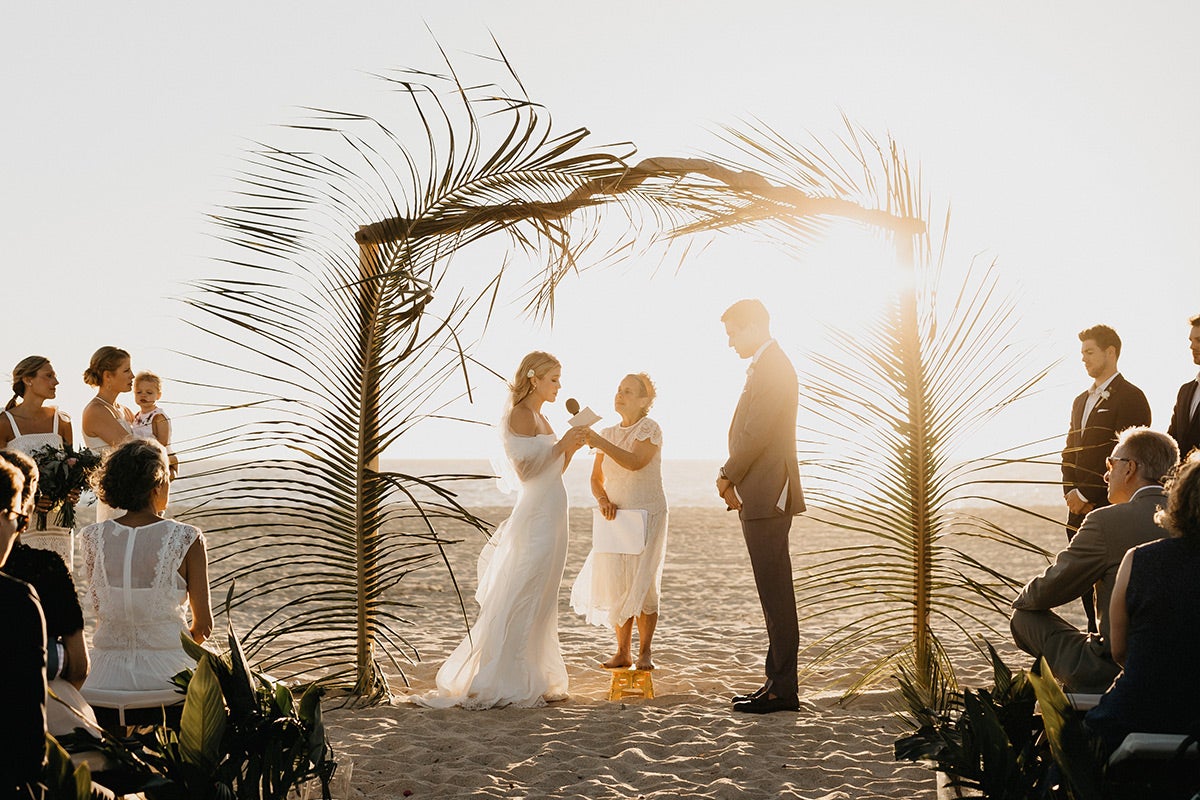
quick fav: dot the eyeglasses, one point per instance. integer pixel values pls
(1108, 462)
(19, 520)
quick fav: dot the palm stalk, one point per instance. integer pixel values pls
(888, 419)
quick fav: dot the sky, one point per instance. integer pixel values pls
(1062, 135)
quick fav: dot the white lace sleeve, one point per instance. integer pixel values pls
(648, 429)
(174, 548)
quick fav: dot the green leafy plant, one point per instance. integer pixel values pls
(241, 735)
(986, 740)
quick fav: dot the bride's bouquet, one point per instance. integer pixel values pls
(62, 471)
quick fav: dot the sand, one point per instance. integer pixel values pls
(685, 742)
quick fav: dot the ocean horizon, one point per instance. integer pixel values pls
(688, 483)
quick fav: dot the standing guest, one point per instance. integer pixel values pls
(23, 667)
(614, 588)
(66, 651)
(1083, 660)
(1111, 405)
(151, 422)
(1154, 617)
(28, 424)
(761, 480)
(1185, 419)
(106, 423)
(142, 568)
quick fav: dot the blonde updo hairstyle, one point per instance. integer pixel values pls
(534, 365)
(26, 368)
(130, 473)
(106, 359)
(647, 389)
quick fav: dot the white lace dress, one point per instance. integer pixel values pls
(57, 539)
(100, 446)
(612, 587)
(512, 655)
(138, 596)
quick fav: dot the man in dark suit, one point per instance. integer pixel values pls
(761, 480)
(1097, 416)
(1185, 419)
(1082, 660)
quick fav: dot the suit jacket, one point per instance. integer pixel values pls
(1087, 447)
(1185, 429)
(1093, 556)
(23, 676)
(762, 439)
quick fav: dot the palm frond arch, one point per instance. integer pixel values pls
(339, 249)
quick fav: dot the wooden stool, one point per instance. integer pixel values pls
(631, 682)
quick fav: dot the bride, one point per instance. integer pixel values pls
(512, 656)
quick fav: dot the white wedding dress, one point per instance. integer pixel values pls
(100, 446)
(512, 655)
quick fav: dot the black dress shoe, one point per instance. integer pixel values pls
(742, 698)
(765, 704)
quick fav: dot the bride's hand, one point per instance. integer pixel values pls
(579, 436)
(608, 509)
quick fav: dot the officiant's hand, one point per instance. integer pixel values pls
(608, 509)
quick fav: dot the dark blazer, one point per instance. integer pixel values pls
(1083, 458)
(1093, 556)
(1184, 430)
(762, 439)
(23, 676)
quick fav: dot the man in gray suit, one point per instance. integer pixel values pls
(761, 480)
(1139, 463)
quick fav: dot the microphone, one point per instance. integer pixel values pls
(572, 406)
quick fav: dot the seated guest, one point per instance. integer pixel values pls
(23, 667)
(1153, 622)
(1083, 662)
(141, 569)
(66, 650)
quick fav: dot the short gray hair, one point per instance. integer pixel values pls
(1156, 453)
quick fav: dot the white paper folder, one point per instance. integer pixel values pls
(625, 533)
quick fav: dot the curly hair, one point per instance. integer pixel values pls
(149, 377)
(30, 472)
(1181, 515)
(130, 473)
(536, 364)
(106, 359)
(647, 387)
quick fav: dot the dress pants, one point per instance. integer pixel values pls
(1082, 661)
(1089, 595)
(767, 543)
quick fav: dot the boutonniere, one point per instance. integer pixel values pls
(1104, 395)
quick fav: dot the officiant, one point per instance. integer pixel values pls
(616, 588)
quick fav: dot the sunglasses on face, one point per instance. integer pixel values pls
(1108, 462)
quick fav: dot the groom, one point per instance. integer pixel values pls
(761, 479)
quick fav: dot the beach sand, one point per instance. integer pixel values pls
(685, 742)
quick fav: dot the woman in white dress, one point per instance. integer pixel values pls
(615, 588)
(512, 655)
(29, 424)
(141, 569)
(105, 422)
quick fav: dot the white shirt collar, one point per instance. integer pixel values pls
(1144, 488)
(1098, 389)
(759, 352)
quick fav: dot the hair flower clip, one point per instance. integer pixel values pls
(530, 373)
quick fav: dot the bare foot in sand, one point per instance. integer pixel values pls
(644, 663)
(619, 661)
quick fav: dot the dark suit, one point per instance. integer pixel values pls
(762, 462)
(23, 676)
(1185, 428)
(1081, 660)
